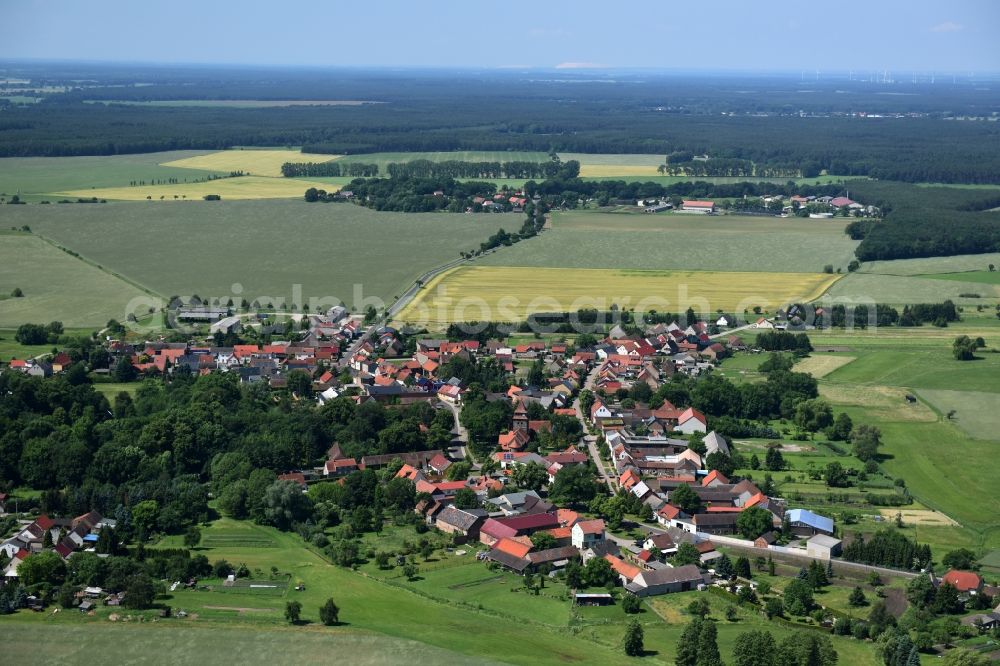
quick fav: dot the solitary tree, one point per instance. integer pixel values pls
(329, 613)
(293, 611)
(633, 642)
(192, 537)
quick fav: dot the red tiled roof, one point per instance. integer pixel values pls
(512, 547)
(714, 475)
(595, 526)
(623, 568)
(963, 581)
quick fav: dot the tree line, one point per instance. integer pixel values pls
(331, 169)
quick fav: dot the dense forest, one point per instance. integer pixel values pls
(176, 441)
(926, 221)
(843, 127)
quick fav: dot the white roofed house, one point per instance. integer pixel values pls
(714, 442)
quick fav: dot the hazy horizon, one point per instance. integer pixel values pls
(781, 37)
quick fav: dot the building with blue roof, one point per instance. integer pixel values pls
(807, 523)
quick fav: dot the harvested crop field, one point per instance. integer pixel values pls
(511, 293)
(596, 166)
(820, 365)
(252, 162)
(242, 187)
(919, 516)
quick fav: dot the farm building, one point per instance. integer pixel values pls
(807, 523)
(823, 546)
(698, 207)
(465, 522)
(667, 580)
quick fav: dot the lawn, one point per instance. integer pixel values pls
(480, 293)
(588, 239)
(267, 247)
(40, 175)
(251, 162)
(56, 286)
(241, 187)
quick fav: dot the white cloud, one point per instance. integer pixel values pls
(947, 26)
(579, 65)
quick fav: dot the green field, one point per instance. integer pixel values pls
(44, 175)
(205, 248)
(944, 465)
(931, 279)
(932, 265)
(896, 289)
(975, 412)
(978, 277)
(459, 611)
(584, 239)
(56, 286)
(61, 642)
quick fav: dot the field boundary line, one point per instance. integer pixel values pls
(100, 267)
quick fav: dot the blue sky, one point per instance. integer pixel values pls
(901, 35)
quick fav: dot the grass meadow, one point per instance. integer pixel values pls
(510, 293)
(896, 289)
(948, 464)
(266, 247)
(585, 239)
(458, 610)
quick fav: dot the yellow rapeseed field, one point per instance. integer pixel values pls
(251, 162)
(242, 187)
(503, 293)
